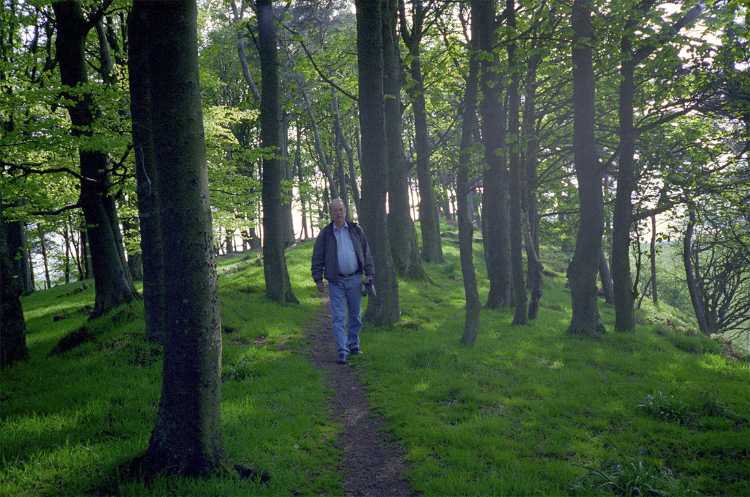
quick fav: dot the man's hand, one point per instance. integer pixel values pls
(321, 286)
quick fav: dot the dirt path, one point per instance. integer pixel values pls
(372, 464)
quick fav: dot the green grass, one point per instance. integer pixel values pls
(68, 422)
(531, 411)
(526, 411)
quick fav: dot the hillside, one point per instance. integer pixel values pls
(527, 411)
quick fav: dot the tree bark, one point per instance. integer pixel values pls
(382, 309)
(183, 444)
(623, 215)
(464, 190)
(45, 260)
(149, 210)
(278, 286)
(12, 324)
(495, 199)
(692, 276)
(287, 221)
(17, 238)
(111, 279)
(654, 296)
(429, 221)
(402, 235)
(606, 277)
(520, 315)
(583, 268)
(532, 207)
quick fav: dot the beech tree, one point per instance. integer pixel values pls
(191, 383)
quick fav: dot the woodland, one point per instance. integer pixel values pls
(556, 195)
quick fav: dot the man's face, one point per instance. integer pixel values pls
(337, 212)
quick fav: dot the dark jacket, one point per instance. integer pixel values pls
(325, 260)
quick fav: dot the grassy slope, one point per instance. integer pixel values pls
(531, 411)
(67, 422)
(527, 411)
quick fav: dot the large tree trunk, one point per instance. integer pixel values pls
(187, 436)
(149, 212)
(383, 309)
(111, 279)
(520, 315)
(464, 190)
(402, 235)
(623, 215)
(12, 324)
(532, 208)
(429, 221)
(583, 268)
(278, 286)
(21, 259)
(495, 200)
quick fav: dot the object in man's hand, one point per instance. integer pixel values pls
(370, 288)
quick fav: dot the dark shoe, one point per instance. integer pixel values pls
(356, 351)
(341, 359)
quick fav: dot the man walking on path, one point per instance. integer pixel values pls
(341, 255)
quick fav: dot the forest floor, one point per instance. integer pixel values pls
(372, 462)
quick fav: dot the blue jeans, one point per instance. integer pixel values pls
(345, 295)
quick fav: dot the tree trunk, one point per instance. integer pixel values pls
(338, 145)
(66, 262)
(111, 280)
(583, 268)
(402, 235)
(149, 210)
(88, 266)
(606, 277)
(495, 199)
(429, 221)
(17, 238)
(382, 309)
(278, 286)
(12, 325)
(520, 315)
(692, 276)
(300, 179)
(623, 215)
(183, 444)
(45, 260)
(532, 207)
(654, 296)
(286, 194)
(463, 191)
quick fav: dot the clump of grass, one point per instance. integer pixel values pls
(633, 478)
(666, 408)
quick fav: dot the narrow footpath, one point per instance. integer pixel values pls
(372, 465)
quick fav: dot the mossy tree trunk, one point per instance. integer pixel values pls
(12, 324)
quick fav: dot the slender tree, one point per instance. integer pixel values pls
(278, 286)
(402, 235)
(382, 309)
(583, 268)
(463, 189)
(429, 222)
(187, 436)
(520, 315)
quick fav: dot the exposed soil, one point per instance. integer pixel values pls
(373, 463)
